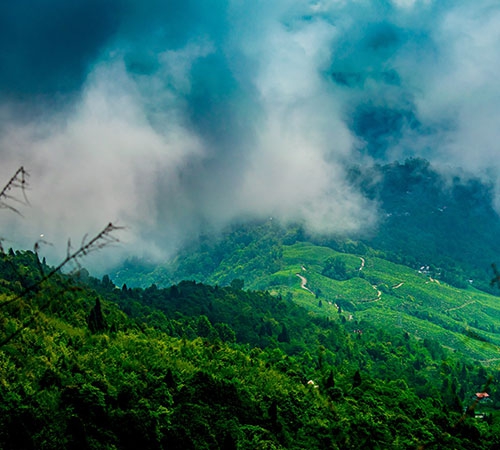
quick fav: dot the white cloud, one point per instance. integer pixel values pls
(240, 115)
(98, 163)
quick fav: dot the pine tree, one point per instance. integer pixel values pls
(96, 320)
(330, 381)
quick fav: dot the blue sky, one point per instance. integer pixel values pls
(180, 116)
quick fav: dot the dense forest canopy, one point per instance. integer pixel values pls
(199, 366)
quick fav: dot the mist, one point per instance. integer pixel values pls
(173, 118)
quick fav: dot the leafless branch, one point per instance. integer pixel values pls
(98, 242)
(18, 181)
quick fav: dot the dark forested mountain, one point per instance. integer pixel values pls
(430, 219)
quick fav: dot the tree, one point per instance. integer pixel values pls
(225, 332)
(99, 241)
(96, 320)
(356, 380)
(335, 268)
(330, 381)
(237, 284)
(205, 329)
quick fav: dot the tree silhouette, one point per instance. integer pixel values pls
(96, 320)
(284, 336)
(18, 181)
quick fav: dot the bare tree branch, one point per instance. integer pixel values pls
(19, 181)
(99, 241)
(103, 239)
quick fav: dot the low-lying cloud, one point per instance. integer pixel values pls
(175, 117)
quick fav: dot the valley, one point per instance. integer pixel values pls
(366, 288)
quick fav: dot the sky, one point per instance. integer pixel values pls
(174, 118)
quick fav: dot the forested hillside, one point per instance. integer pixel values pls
(433, 219)
(86, 364)
(427, 269)
(426, 219)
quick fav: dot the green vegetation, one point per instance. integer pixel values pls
(426, 220)
(366, 286)
(279, 341)
(196, 366)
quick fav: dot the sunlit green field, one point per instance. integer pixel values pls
(464, 320)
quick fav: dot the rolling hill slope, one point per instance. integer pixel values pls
(389, 294)
(363, 285)
(426, 269)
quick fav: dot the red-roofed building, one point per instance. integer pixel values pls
(482, 395)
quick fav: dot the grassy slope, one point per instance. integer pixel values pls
(392, 295)
(270, 258)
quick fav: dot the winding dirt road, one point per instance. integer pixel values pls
(303, 283)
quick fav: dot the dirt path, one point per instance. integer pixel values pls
(398, 285)
(362, 264)
(303, 283)
(461, 306)
(373, 300)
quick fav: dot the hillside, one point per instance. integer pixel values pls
(87, 365)
(388, 294)
(426, 271)
(371, 288)
(432, 219)
(259, 337)
(425, 219)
